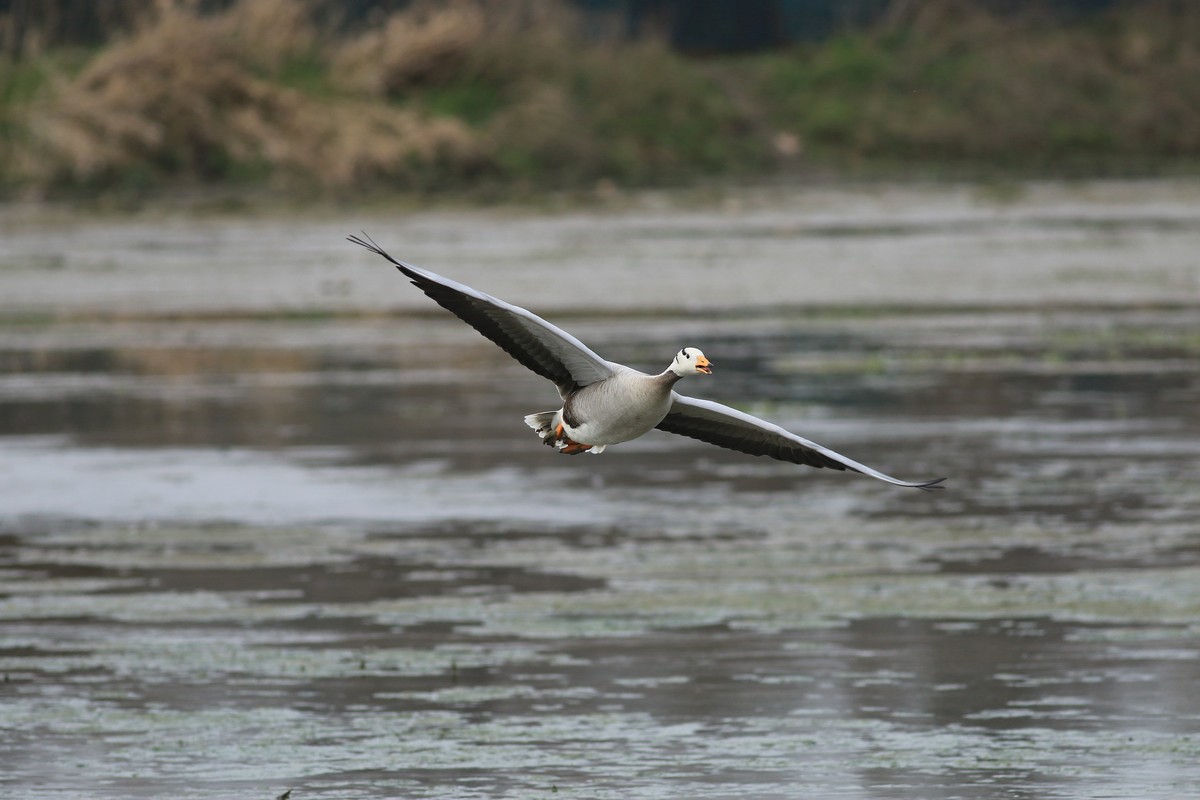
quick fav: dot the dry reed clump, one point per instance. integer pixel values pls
(428, 45)
(176, 96)
(193, 96)
(546, 102)
(439, 93)
(369, 143)
(269, 32)
(433, 44)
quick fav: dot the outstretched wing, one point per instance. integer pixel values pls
(727, 427)
(547, 350)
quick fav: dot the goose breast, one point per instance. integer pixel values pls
(621, 408)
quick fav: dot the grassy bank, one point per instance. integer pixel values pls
(483, 97)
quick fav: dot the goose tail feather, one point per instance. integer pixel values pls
(544, 423)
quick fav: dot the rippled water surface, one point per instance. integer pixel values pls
(241, 555)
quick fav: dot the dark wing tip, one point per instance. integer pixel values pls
(929, 486)
(369, 243)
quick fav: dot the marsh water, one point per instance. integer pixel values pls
(252, 544)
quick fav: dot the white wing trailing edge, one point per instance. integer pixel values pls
(727, 427)
(544, 348)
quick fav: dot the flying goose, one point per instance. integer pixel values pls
(606, 403)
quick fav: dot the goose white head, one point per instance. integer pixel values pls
(690, 361)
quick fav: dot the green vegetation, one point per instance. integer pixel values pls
(951, 82)
(472, 95)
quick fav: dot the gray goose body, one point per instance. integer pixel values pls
(622, 407)
(606, 403)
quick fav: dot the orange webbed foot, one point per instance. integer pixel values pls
(574, 448)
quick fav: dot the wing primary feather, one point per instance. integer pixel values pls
(369, 243)
(543, 348)
(727, 427)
